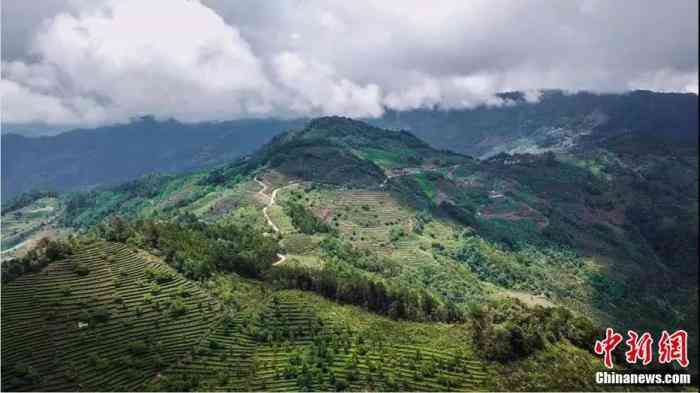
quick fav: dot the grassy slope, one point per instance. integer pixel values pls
(467, 262)
(44, 348)
(237, 334)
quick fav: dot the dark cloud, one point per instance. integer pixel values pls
(252, 58)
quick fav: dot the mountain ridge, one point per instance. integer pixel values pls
(82, 159)
(558, 122)
(524, 256)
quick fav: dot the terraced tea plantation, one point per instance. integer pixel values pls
(113, 318)
(298, 341)
(105, 319)
(366, 218)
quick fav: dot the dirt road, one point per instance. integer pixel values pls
(271, 201)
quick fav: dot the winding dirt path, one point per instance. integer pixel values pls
(271, 201)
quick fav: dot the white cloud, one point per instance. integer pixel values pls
(102, 61)
(314, 88)
(167, 58)
(21, 105)
(667, 80)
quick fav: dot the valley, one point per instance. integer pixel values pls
(341, 256)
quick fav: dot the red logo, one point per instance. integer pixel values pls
(607, 345)
(639, 347)
(672, 347)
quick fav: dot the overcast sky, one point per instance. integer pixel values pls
(91, 62)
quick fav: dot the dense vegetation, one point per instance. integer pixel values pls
(340, 280)
(25, 199)
(383, 260)
(45, 252)
(507, 330)
(195, 249)
(304, 220)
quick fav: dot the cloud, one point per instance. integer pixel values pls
(21, 105)
(167, 58)
(104, 61)
(313, 87)
(667, 80)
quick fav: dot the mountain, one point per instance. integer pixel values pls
(558, 121)
(109, 155)
(344, 256)
(343, 151)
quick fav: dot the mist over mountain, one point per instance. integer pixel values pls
(557, 122)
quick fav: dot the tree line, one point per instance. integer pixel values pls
(45, 252)
(196, 249)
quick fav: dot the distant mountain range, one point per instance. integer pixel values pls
(524, 259)
(108, 155)
(558, 122)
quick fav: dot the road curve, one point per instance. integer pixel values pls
(271, 201)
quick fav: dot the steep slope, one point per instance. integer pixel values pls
(103, 319)
(585, 238)
(342, 151)
(110, 318)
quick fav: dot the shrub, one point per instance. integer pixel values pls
(396, 233)
(154, 289)
(81, 269)
(178, 308)
(184, 292)
(159, 276)
(214, 345)
(138, 347)
(101, 314)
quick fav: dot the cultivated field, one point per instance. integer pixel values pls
(105, 319)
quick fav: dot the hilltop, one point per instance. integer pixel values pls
(347, 152)
(558, 121)
(337, 232)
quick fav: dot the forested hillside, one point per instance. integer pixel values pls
(342, 256)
